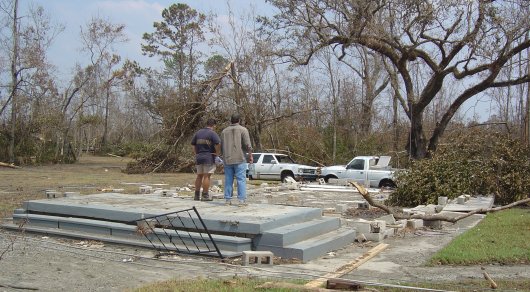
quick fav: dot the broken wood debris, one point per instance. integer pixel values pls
(350, 266)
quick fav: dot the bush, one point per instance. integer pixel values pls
(478, 164)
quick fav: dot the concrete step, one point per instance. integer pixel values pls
(314, 247)
(130, 232)
(289, 234)
(115, 240)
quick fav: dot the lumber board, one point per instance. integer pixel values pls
(349, 267)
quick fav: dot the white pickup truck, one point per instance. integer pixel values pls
(274, 166)
(371, 171)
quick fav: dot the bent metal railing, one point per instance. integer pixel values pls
(182, 231)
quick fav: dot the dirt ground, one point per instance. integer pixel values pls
(36, 262)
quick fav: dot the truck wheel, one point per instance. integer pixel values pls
(326, 179)
(285, 175)
(387, 184)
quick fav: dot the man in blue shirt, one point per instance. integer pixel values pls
(206, 146)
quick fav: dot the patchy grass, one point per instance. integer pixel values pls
(236, 284)
(89, 176)
(522, 285)
(502, 237)
(249, 284)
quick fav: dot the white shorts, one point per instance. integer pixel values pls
(205, 168)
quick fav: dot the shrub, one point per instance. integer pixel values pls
(477, 164)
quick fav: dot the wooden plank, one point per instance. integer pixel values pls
(341, 284)
(348, 267)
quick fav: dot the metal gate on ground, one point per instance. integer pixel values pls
(182, 231)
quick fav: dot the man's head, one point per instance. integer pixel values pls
(235, 118)
(211, 122)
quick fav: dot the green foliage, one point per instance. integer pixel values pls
(477, 164)
(501, 237)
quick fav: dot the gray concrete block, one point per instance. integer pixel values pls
(414, 223)
(362, 226)
(377, 237)
(434, 224)
(264, 256)
(389, 219)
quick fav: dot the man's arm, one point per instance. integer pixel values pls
(247, 146)
(217, 149)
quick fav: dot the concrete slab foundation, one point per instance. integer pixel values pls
(287, 231)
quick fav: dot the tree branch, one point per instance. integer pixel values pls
(364, 193)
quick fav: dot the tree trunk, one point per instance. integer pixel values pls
(395, 124)
(106, 122)
(416, 145)
(14, 85)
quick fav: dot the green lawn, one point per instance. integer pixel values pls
(502, 237)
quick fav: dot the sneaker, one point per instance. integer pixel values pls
(228, 202)
(242, 203)
(206, 198)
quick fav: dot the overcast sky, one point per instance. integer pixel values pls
(137, 16)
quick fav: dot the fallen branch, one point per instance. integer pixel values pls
(10, 165)
(433, 217)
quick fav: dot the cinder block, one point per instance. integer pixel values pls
(434, 224)
(374, 236)
(362, 226)
(388, 219)
(414, 223)
(258, 256)
(442, 201)
(363, 205)
(51, 194)
(379, 223)
(165, 193)
(146, 189)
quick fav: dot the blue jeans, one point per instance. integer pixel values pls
(239, 171)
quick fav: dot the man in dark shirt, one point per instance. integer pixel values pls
(206, 146)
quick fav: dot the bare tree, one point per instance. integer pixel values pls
(264, 90)
(31, 36)
(98, 39)
(469, 42)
